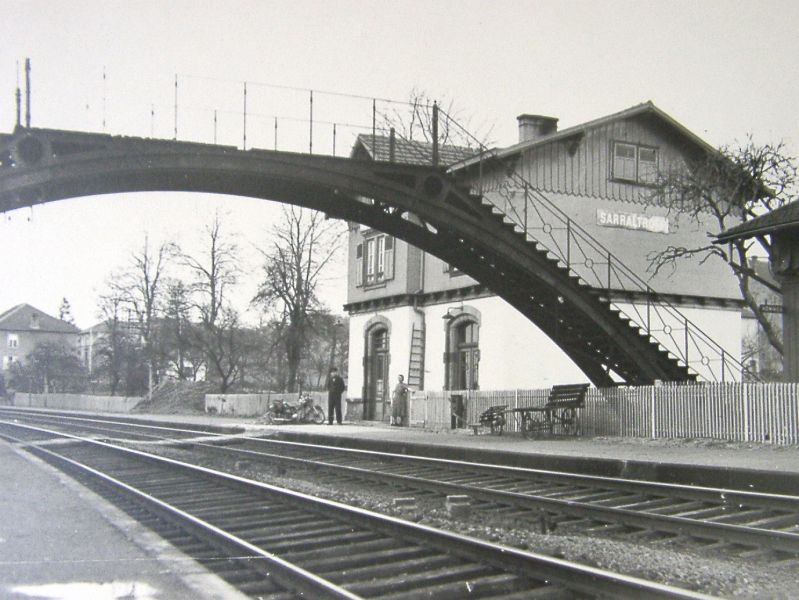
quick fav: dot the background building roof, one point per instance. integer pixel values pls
(24, 317)
(407, 151)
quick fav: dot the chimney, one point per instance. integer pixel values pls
(532, 127)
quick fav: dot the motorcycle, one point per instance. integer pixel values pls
(305, 411)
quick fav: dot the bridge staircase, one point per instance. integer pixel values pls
(618, 322)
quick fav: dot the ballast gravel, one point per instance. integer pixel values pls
(670, 562)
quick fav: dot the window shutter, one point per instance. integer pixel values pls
(359, 265)
(388, 259)
(647, 165)
(371, 260)
(624, 161)
(380, 271)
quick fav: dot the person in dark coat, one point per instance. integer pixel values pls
(335, 387)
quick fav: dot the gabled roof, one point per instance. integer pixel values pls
(407, 152)
(779, 219)
(645, 108)
(24, 317)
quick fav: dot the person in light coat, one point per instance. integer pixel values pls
(399, 402)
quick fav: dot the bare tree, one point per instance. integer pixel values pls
(303, 245)
(732, 185)
(177, 328)
(141, 287)
(414, 121)
(218, 331)
(117, 358)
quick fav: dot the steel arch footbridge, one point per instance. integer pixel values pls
(423, 205)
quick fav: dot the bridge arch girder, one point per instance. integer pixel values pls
(39, 166)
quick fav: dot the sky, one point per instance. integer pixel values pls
(724, 69)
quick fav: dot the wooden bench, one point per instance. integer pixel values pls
(560, 409)
(493, 418)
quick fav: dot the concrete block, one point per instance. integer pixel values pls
(408, 503)
(458, 506)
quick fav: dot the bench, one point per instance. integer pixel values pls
(493, 418)
(560, 409)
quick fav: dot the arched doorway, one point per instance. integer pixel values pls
(464, 353)
(375, 362)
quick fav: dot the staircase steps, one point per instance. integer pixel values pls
(572, 330)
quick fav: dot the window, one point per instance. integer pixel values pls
(374, 260)
(13, 340)
(631, 162)
(464, 354)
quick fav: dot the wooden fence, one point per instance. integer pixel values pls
(746, 412)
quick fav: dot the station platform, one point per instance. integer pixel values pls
(60, 540)
(699, 462)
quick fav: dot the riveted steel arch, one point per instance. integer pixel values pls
(450, 222)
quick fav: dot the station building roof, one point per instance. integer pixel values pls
(780, 219)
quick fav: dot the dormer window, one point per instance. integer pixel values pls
(34, 321)
(634, 163)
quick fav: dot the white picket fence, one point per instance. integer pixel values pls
(747, 412)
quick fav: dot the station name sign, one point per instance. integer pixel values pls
(629, 220)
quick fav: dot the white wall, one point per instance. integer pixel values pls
(77, 402)
(514, 353)
(722, 326)
(401, 324)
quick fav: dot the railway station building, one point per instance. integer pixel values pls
(415, 315)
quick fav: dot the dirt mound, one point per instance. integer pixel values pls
(177, 397)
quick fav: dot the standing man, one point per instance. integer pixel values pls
(335, 387)
(399, 402)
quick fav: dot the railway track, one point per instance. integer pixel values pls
(275, 543)
(748, 524)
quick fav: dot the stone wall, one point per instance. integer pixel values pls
(117, 404)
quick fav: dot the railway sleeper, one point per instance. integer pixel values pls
(257, 589)
(330, 542)
(363, 547)
(457, 590)
(369, 559)
(305, 533)
(389, 569)
(261, 524)
(243, 515)
(745, 517)
(422, 579)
